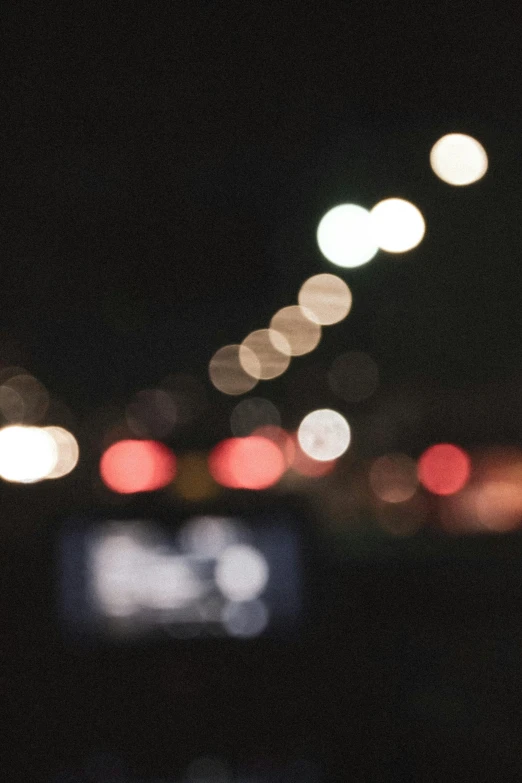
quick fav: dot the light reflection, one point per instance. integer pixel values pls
(326, 297)
(68, 452)
(297, 325)
(458, 159)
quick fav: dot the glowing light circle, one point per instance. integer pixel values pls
(241, 572)
(264, 354)
(444, 469)
(345, 236)
(324, 435)
(253, 463)
(458, 159)
(397, 224)
(226, 372)
(326, 299)
(27, 454)
(130, 466)
(68, 452)
(393, 478)
(297, 325)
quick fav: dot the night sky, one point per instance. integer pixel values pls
(165, 168)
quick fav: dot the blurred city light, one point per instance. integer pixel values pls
(270, 351)
(253, 462)
(245, 619)
(444, 469)
(458, 159)
(297, 325)
(307, 466)
(152, 413)
(353, 376)
(397, 224)
(324, 435)
(68, 452)
(326, 299)
(27, 454)
(209, 536)
(227, 374)
(345, 236)
(241, 572)
(393, 478)
(193, 480)
(284, 440)
(130, 466)
(252, 413)
(22, 397)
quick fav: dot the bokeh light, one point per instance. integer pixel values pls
(227, 374)
(270, 351)
(27, 454)
(345, 236)
(444, 469)
(131, 466)
(68, 451)
(245, 619)
(23, 398)
(297, 325)
(305, 465)
(284, 440)
(247, 463)
(326, 299)
(353, 376)
(209, 536)
(397, 224)
(252, 413)
(193, 481)
(241, 572)
(458, 159)
(152, 413)
(324, 434)
(393, 478)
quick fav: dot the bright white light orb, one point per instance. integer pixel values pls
(345, 236)
(324, 435)
(458, 159)
(27, 454)
(241, 573)
(398, 225)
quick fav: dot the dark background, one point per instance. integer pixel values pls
(163, 172)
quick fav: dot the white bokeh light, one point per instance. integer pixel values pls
(458, 159)
(27, 454)
(324, 435)
(245, 619)
(68, 452)
(241, 573)
(345, 236)
(397, 224)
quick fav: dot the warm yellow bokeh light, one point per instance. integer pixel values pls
(226, 372)
(270, 351)
(458, 159)
(193, 481)
(326, 297)
(27, 454)
(345, 236)
(297, 325)
(68, 452)
(324, 435)
(397, 225)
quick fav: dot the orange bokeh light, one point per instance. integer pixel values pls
(130, 466)
(247, 463)
(444, 469)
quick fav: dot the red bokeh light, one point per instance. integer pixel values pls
(130, 466)
(444, 469)
(247, 463)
